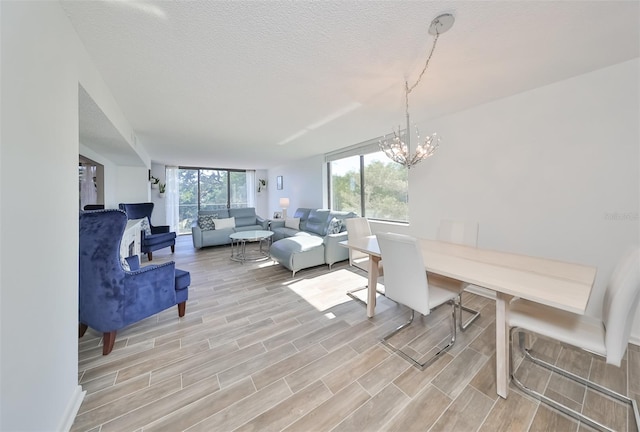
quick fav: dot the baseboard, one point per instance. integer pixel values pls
(72, 409)
(634, 340)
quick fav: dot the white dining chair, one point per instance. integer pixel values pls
(406, 283)
(464, 233)
(358, 228)
(607, 337)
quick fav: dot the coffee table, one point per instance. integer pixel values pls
(239, 245)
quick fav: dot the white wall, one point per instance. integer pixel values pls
(262, 198)
(159, 215)
(132, 185)
(38, 218)
(42, 64)
(542, 172)
(302, 184)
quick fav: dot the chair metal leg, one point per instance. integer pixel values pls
(474, 316)
(437, 355)
(560, 407)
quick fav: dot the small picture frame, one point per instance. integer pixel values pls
(277, 215)
(279, 182)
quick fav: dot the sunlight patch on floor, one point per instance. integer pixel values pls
(328, 290)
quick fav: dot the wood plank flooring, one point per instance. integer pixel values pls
(259, 350)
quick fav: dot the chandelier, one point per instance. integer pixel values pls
(398, 148)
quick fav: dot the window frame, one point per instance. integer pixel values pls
(228, 171)
(197, 207)
(361, 150)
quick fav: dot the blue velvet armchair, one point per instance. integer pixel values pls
(160, 237)
(110, 297)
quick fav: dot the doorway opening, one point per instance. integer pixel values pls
(91, 183)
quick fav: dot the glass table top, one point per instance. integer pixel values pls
(253, 235)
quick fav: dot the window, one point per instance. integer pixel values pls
(214, 189)
(209, 189)
(363, 180)
(346, 192)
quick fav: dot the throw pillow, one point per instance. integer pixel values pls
(206, 222)
(225, 223)
(293, 223)
(125, 264)
(334, 226)
(145, 226)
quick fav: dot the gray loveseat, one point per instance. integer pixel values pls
(315, 242)
(205, 233)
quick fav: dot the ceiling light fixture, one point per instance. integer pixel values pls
(398, 148)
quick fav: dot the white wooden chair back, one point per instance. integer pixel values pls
(620, 302)
(358, 228)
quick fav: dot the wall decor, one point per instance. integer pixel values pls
(279, 182)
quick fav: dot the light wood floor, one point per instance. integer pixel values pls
(260, 350)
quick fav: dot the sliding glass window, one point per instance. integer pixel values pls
(363, 180)
(209, 189)
(214, 189)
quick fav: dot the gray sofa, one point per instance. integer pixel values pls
(313, 243)
(204, 232)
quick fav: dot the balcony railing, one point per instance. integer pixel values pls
(188, 213)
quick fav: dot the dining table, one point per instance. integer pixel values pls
(551, 282)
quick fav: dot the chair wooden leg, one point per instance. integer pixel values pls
(150, 256)
(182, 308)
(82, 328)
(108, 339)
(173, 248)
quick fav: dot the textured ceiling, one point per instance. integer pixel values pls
(243, 84)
